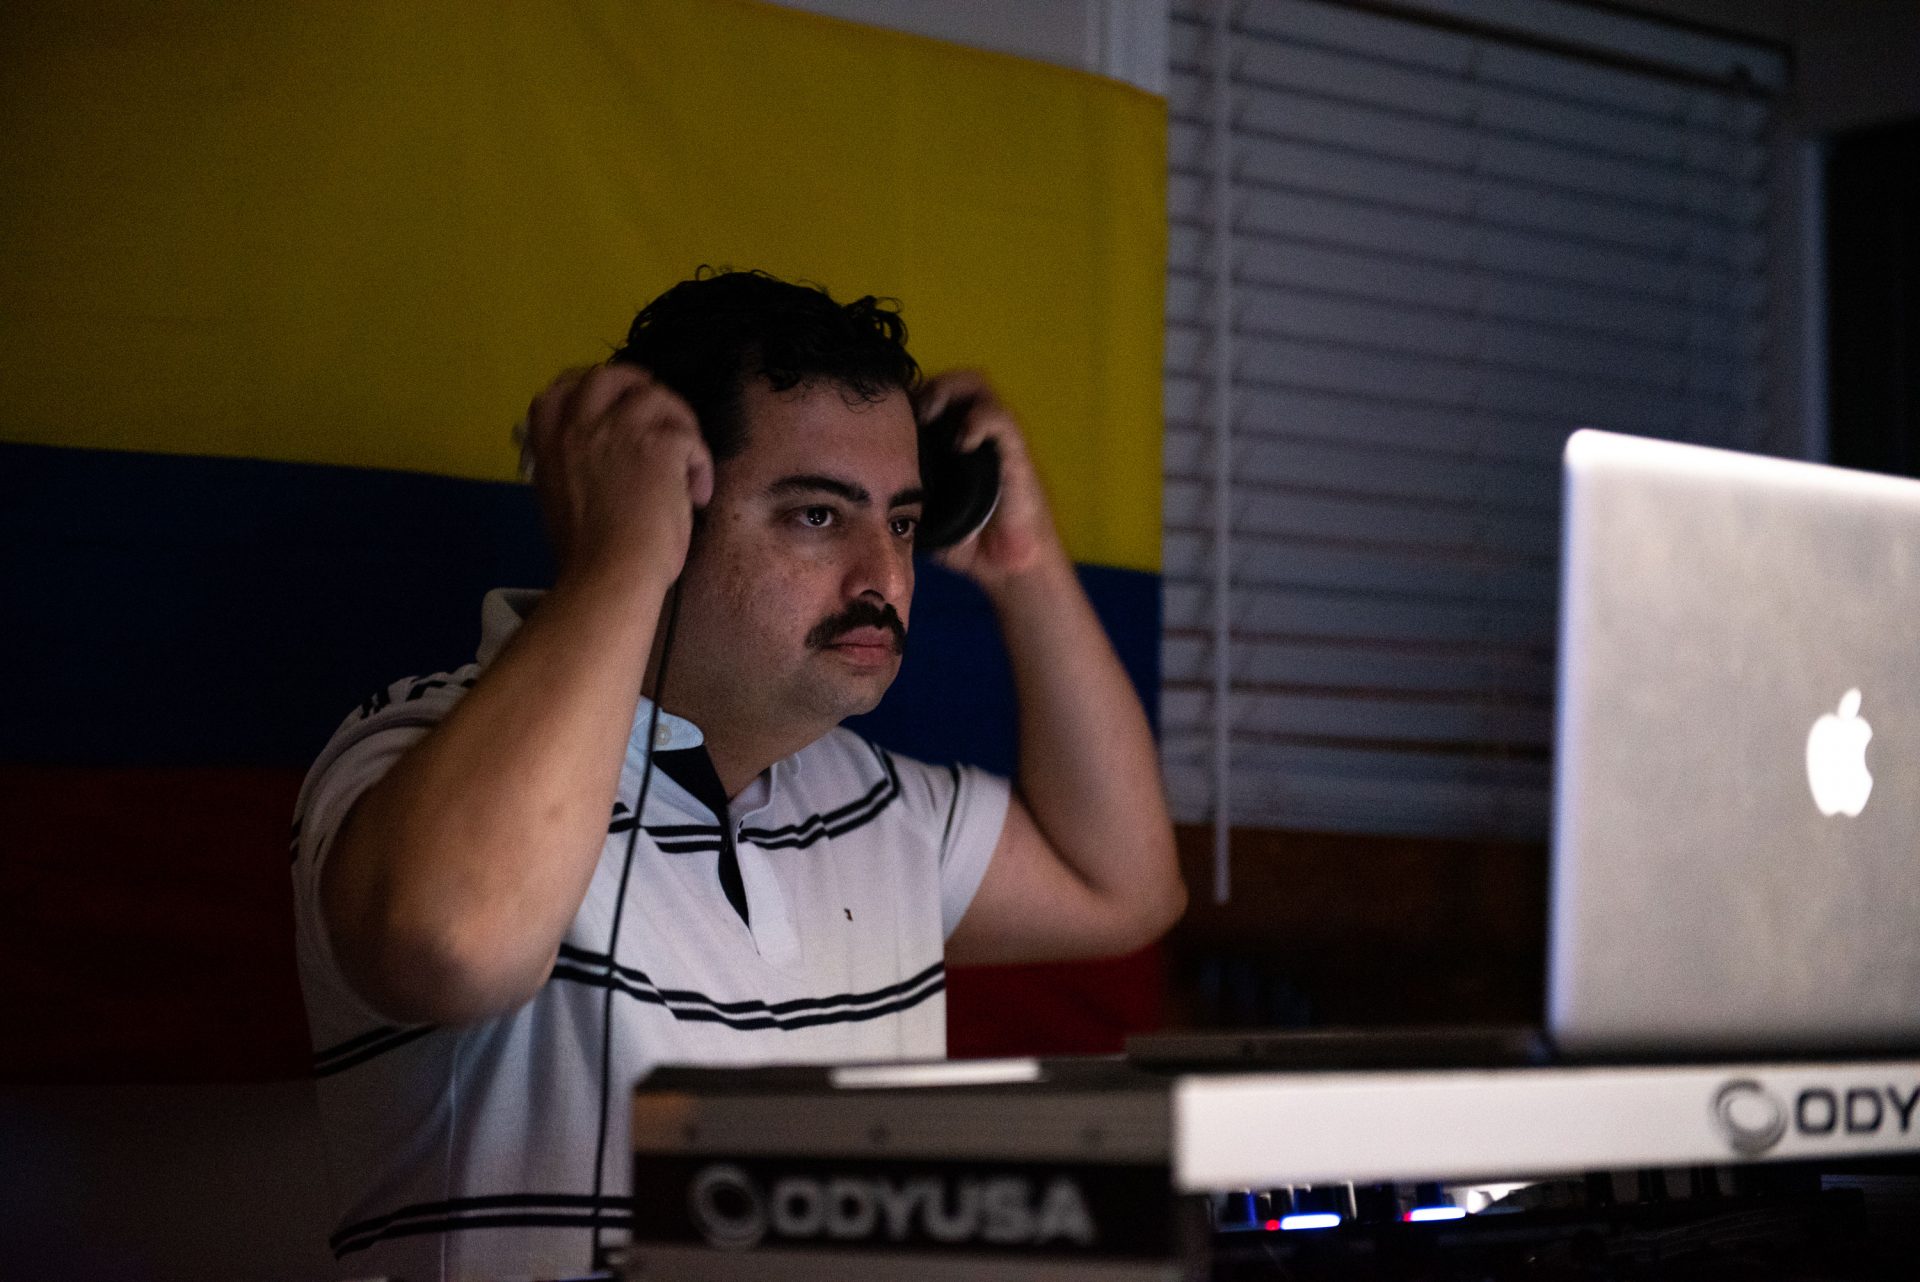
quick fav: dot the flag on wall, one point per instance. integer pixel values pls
(276, 281)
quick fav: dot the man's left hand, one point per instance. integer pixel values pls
(1021, 534)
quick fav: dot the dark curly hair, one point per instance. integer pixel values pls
(706, 337)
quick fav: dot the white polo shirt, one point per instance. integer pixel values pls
(469, 1152)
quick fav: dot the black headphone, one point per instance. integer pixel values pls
(962, 488)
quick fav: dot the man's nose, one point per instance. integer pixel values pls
(881, 565)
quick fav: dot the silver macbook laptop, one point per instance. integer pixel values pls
(1736, 841)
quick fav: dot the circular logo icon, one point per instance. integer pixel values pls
(1751, 1117)
(727, 1208)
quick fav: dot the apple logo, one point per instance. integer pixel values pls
(1837, 759)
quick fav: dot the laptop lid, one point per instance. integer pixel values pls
(1736, 835)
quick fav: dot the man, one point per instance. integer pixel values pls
(491, 961)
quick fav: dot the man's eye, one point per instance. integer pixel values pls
(904, 526)
(817, 517)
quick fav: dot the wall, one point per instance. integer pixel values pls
(1856, 62)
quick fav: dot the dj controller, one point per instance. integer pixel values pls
(1104, 1169)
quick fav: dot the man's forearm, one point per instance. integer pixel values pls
(457, 874)
(1089, 772)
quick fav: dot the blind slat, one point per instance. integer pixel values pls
(1356, 271)
(1671, 274)
(1363, 719)
(1331, 23)
(1408, 376)
(1262, 564)
(1331, 761)
(1440, 808)
(1186, 661)
(1358, 76)
(1311, 613)
(1259, 309)
(1355, 519)
(1361, 421)
(1502, 487)
(1333, 170)
(1681, 182)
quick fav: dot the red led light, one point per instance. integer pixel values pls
(1273, 1226)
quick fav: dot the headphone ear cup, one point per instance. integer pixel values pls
(961, 488)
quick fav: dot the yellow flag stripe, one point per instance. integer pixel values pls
(366, 234)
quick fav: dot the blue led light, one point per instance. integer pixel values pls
(1319, 1220)
(1429, 1214)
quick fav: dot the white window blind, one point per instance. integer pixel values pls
(1438, 244)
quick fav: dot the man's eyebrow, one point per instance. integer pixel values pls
(808, 481)
(811, 482)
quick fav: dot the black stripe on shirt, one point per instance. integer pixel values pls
(747, 1024)
(937, 970)
(598, 961)
(507, 1210)
(657, 831)
(748, 1016)
(382, 699)
(359, 1050)
(834, 823)
(582, 1220)
(687, 839)
(883, 791)
(622, 821)
(420, 687)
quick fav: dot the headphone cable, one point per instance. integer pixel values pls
(619, 906)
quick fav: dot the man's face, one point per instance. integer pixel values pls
(800, 578)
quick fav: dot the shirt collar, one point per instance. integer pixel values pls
(503, 610)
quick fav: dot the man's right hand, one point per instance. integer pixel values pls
(620, 468)
(454, 877)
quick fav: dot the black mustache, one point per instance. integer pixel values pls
(861, 614)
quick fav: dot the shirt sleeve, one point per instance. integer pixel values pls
(361, 751)
(969, 807)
